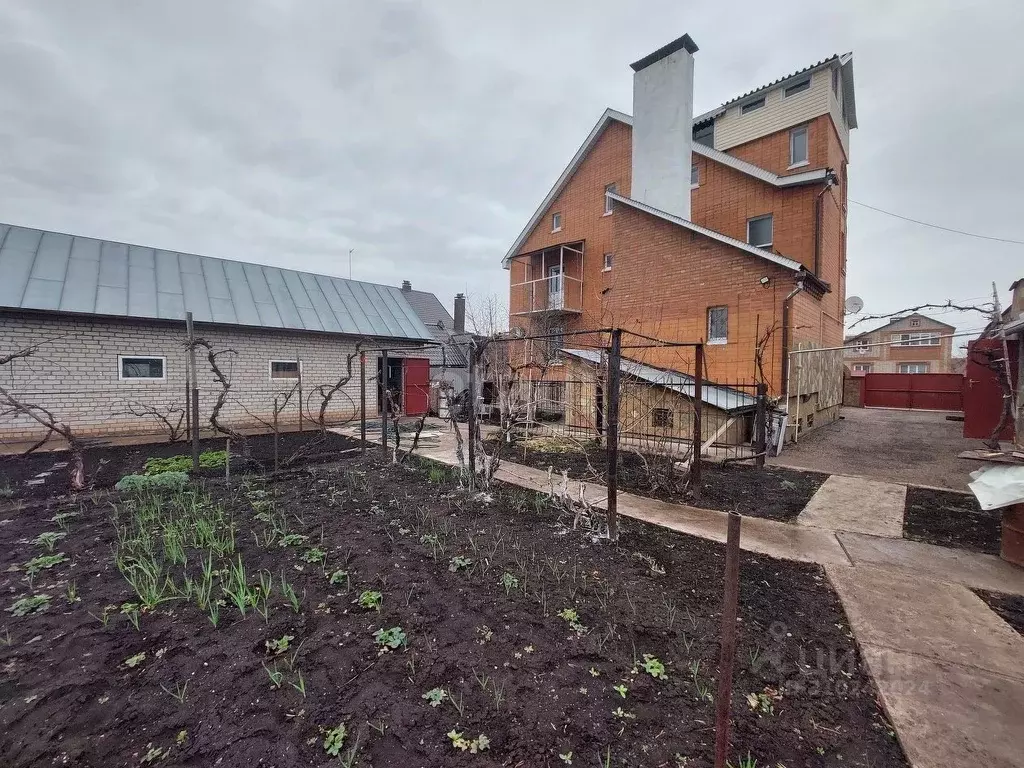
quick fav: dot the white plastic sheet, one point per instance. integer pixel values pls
(998, 486)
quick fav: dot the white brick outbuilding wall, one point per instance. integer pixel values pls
(74, 372)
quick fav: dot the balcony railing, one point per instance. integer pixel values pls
(556, 293)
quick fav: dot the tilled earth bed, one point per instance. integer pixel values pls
(951, 520)
(1009, 607)
(539, 645)
(773, 493)
(106, 464)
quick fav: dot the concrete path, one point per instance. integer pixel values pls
(948, 668)
(857, 505)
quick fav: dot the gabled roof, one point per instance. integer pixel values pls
(55, 272)
(782, 261)
(762, 174)
(440, 324)
(895, 320)
(724, 398)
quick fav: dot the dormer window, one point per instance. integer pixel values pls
(750, 106)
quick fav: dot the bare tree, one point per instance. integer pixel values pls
(170, 419)
(222, 395)
(985, 309)
(11, 404)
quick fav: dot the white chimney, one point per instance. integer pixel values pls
(663, 127)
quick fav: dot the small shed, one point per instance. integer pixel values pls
(656, 404)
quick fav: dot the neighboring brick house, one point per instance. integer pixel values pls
(713, 228)
(914, 343)
(107, 320)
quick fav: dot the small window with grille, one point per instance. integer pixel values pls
(661, 417)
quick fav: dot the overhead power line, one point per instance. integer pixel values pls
(937, 226)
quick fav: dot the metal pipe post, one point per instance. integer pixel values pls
(276, 463)
(384, 402)
(362, 402)
(698, 403)
(614, 379)
(761, 425)
(471, 418)
(298, 365)
(195, 391)
(730, 608)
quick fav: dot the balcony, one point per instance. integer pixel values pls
(553, 285)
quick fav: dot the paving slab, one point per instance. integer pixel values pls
(956, 566)
(949, 716)
(916, 614)
(855, 504)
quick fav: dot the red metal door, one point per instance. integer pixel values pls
(924, 391)
(983, 394)
(416, 387)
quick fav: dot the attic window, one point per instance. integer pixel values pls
(914, 323)
(750, 106)
(556, 222)
(705, 135)
(803, 85)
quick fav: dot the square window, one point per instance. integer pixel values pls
(608, 258)
(284, 369)
(915, 323)
(798, 146)
(795, 88)
(555, 342)
(759, 231)
(140, 367)
(718, 325)
(614, 189)
(694, 176)
(661, 417)
(556, 222)
(913, 367)
(750, 106)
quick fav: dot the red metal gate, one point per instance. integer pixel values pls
(983, 395)
(416, 386)
(924, 391)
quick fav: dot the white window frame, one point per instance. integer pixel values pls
(793, 162)
(694, 176)
(862, 367)
(803, 86)
(608, 202)
(272, 377)
(722, 339)
(752, 106)
(915, 323)
(915, 365)
(609, 259)
(120, 367)
(556, 221)
(771, 240)
(916, 339)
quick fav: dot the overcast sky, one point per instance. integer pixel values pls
(424, 134)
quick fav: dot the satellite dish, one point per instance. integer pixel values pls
(854, 304)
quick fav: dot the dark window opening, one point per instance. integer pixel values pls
(803, 85)
(752, 105)
(284, 369)
(661, 417)
(142, 367)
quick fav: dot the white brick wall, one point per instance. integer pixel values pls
(74, 372)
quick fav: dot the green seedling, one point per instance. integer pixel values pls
(289, 593)
(565, 757)
(300, 685)
(179, 694)
(131, 610)
(280, 645)
(154, 754)
(435, 696)
(745, 762)
(71, 592)
(133, 661)
(572, 617)
(29, 605)
(48, 540)
(340, 577)
(183, 463)
(474, 746)
(62, 518)
(275, 675)
(292, 540)
(654, 667)
(43, 562)
(334, 740)
(763, 703)
(371, 600)
(314, 555)
(620, 689)
(459, 563)
(389, 639)
(622, 714)
(5, 638)
(509, 582)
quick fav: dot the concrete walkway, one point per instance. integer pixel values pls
(947, 667)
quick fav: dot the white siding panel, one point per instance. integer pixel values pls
(836, 111)
(778, 113)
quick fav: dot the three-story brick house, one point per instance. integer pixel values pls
(718, 227)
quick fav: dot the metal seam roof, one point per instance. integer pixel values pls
(724, 398)
(782, 261)
(56, 272)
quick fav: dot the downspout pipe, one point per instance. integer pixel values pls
(830, 179)
(787, 312)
